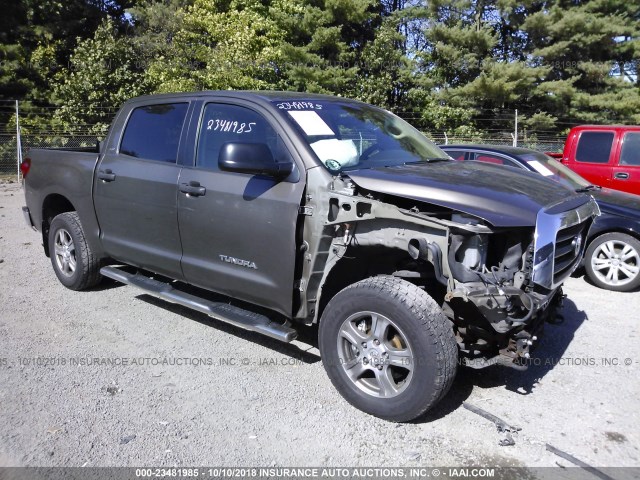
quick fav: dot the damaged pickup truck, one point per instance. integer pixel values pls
(273, 210)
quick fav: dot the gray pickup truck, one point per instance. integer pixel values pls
(274, 210)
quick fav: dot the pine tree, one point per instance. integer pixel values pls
(471, 75)
(591, 49)
(324, 43)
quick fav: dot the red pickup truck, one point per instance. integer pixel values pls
(605, 155)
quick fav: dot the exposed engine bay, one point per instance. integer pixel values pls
(480, 274)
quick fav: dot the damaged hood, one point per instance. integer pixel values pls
(502, 196)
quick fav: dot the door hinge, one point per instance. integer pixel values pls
(304, 210)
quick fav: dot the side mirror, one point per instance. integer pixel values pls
(253, 158)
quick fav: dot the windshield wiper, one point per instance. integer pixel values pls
(429, 160)
(588, 188)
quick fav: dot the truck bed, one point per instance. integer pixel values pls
(93, 149)
(62, 173)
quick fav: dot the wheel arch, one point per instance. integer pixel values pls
(349, 269)
(53, 205)
(612, 227)
(361, 262)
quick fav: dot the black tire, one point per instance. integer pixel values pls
(76, 266)
(607, 252)
(423, 330)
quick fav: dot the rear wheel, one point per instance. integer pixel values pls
(388, 348)
(613, 262)
(73, 262)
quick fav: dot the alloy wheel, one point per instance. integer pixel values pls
(65, 253)
(615, 263)
(375, 354)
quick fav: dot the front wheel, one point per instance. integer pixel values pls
(388, 348)
(612, 262)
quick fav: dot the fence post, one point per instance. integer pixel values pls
(18, 142)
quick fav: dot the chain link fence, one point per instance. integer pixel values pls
(9, 146)
(9, 156)
(542, 144)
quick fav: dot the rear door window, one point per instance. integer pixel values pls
(630, 154)
(153, 132)
(594, 147)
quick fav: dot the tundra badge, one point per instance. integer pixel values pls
(238, 261)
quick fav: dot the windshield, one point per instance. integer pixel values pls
(554, 170)
(349, 136)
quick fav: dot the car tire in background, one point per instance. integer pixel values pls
(388, 348)
(612, 262)
(73, 262)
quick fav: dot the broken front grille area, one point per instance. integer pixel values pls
(560, 239)
(569, 246)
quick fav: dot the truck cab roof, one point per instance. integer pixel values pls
(264, 95)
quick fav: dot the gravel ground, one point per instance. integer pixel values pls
(247, 400)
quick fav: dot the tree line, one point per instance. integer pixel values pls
(457, 66)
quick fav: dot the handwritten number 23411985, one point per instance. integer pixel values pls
(221, 125)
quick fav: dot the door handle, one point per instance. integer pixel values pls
(621, 175)
(106, 175)
(193, 189)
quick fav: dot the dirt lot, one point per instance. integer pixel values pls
(183, 389)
